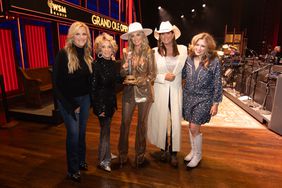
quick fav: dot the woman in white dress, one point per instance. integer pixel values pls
(164, 121)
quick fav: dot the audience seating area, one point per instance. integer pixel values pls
(35, 82)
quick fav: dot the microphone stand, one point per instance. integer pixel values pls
(251, 75)
(243, 74)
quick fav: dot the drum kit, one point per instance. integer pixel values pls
(231, 62)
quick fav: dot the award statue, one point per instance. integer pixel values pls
(130, 79)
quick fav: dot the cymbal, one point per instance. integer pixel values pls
(220, 53)
(233, 47)
(225, 46)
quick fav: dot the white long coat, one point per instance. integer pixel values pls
(159, 112)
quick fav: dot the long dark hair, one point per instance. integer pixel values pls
(162, 49)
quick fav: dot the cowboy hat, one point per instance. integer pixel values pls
(167, 27)
(133, 27)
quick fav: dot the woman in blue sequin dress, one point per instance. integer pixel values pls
(202, 91)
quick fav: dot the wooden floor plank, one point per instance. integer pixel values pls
(234, 155)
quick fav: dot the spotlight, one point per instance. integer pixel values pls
(193, 10)
(204, 5)
(182, 16)
(159, 7)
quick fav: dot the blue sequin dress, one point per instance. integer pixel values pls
(203, 88)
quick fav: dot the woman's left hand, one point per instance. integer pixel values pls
(214, 109)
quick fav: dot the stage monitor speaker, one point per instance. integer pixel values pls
(276, 119)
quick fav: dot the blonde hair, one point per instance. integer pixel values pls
(102, 38)
(210, 53)
(73, 62)
(145, 48)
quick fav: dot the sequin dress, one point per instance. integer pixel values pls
(202, 89)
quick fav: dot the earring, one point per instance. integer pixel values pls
(100, 55)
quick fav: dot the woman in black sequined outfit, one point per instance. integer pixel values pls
(103, 94)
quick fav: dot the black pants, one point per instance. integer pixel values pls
(168, 146)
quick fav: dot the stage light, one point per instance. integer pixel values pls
(182, 16)
(193, 10)
(204, 5)
(164, 14)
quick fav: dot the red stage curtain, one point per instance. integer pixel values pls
(7, 60)
(62, 40)
(36, 46)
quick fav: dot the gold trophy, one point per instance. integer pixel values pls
(130, 79)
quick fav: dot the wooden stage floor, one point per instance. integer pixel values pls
(237, 152)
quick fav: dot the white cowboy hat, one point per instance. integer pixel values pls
(133, 27)
(167, 27)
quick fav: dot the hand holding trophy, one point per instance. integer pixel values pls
(130, 78)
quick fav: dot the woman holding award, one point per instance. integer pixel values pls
(140, 68)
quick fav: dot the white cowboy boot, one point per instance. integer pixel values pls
(198, 152)
(190, 155)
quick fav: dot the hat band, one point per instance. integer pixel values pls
(164, 31)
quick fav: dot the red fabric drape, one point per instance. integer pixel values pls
(36, 46)
(7, 60)
(62, 40)
(130, 7)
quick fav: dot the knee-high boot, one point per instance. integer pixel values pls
(198, 151)
(189, 157)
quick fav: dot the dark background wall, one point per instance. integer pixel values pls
(259, 19)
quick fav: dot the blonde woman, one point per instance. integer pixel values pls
(71, 75)
(139, 58)
(103, 83)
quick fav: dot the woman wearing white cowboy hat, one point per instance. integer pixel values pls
(143, 68)
(166, 112)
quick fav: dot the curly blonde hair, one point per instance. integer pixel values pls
(210, 53)
(104, 37)
(73, 62)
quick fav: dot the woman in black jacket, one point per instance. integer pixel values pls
(104, 102)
